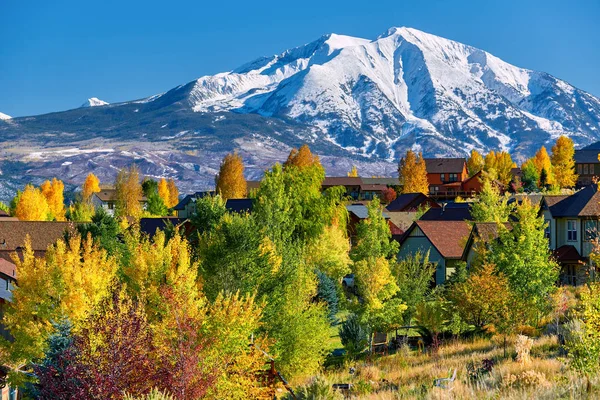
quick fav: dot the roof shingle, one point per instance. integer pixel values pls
(448, 237)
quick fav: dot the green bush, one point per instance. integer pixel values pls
(354, 335)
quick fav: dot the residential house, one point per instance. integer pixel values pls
(106, 198)
(444, 240)
(358, 212)
(587, 164)
(573, 225)
(445, 176)
(187, 206)
(41, 235)
(404, 209)
(149, 226)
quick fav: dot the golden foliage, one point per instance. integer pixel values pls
(129, 193)
(563, 163)
(302, 158)
(475, 163)
(375, 281)
(353, 172)
(54, 194)
(542, 161)
(32, 205)
(412, 172)
(173, 194)
(90, 186)
(163, 192)
(230, 181)
(330, 252)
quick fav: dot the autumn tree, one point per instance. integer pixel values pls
(490, 165)
(504, 166)
(67, 283)
(53, 191)
(330, 254)
(412, 173)
(230, 181)
(173, 193)
(542, 162)
(388, 195)
(531, 176)
(31, 205)
(475, 163)
(302, 158)
(353, 172)
(163, 191)
(90, 186)
(129, 193)
(563, 162)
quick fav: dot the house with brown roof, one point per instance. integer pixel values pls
(445, 175)
(106, 198)
(573, 223)
(41, 233)
(445, 241)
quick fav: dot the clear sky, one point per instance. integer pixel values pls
(56, 54)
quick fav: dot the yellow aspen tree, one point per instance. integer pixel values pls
(173, 193)
(490, 165)
(330, 253)
(90, 186)
(475, 163)
(412, 173)
(65, 284)
(54, 194)
(129, 193)
(504, 166)
(163, 192)
(302, 158)
(563, 162)
(353, 172)
(230, 181)
(32, 205)
(542, 161)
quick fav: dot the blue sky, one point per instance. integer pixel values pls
(56, 54)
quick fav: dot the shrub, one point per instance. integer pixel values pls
(154, 394)
(318, 389)
(529, 378)
(523, 347)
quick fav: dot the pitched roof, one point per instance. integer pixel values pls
(381, 181)
(584, 203)
(444, 165)
(408, 202)
(7, 268)
(361, 211)
(42, 233)
(567, 253)
(448, 237)
(449, 212)
(239, 205)
(4, 214)
(150, 225)
(188, 198)
(587, 155)
(372, 187)
(108, 194)
(342, 181)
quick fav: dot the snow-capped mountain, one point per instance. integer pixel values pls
(355, 101)
(94, 102)
(4, 116)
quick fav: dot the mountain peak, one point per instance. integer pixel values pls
(94, 102)
(4, 116)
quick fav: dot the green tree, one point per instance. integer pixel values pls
(531, 176)
(491, 206)
(413, 276)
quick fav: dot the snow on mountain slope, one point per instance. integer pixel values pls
(94, 102)
(404, 89)
(4, 116)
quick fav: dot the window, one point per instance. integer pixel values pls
(591, 230)
(434, 189)
(579, 169)
(453, 177)
(442, 177)
(586, 169)
(547, 229)
(111, 206)
(572, 230)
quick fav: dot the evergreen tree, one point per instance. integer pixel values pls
(327, 292)
(531, 175)
(412, 173)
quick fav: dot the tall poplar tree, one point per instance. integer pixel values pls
(230, 181)
(563, 162)
(129, 193)
(412, 173)
(475, 163)
(90, 186)
(542, 161)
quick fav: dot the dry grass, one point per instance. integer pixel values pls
(409, 375)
